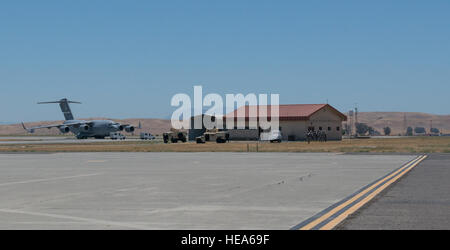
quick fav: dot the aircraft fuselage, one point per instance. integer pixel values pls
(81, 128)
(95, 128)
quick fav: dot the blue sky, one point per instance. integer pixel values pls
(126, 59)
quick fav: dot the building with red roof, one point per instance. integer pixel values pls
(294, 120)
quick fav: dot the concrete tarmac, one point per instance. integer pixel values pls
(418, 201)
(178, 190)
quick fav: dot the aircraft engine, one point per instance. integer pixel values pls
(64, 129)
(121, 127)
(129, 128)
(84, 127)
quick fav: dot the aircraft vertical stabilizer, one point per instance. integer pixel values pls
(65, 108)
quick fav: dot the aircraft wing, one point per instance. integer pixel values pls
(31, 130)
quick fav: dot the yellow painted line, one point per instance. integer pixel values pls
(354, 198)
(361, 203)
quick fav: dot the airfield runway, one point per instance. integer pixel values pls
(10, 140)
(419, 201)
(178, 190)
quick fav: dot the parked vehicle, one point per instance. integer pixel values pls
(116, 136)
(175, 136)
(272, 136)
(213, 135)
(147, 136)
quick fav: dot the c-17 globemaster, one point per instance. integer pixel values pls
(82, 129)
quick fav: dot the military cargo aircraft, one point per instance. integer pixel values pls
(82, 129)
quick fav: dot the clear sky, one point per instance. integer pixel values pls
(126, 59)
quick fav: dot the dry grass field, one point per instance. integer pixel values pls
(380, 145)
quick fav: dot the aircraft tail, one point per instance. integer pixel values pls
(65, 108)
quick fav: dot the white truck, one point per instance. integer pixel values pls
(116, 136)
(147, 136)
(272, 136)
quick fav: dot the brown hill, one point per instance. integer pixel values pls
(154, 126)
(395, 120)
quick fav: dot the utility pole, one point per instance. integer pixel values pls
(404, 123)
(431, 126)
(356, 118)
(350, 124)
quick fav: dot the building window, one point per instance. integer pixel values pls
(338, 128)
(329, 128)
(320, 128)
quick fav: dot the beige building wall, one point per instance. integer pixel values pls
(330, 122)
(326, 118)
(294, 129)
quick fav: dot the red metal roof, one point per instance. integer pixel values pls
(289, 111)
